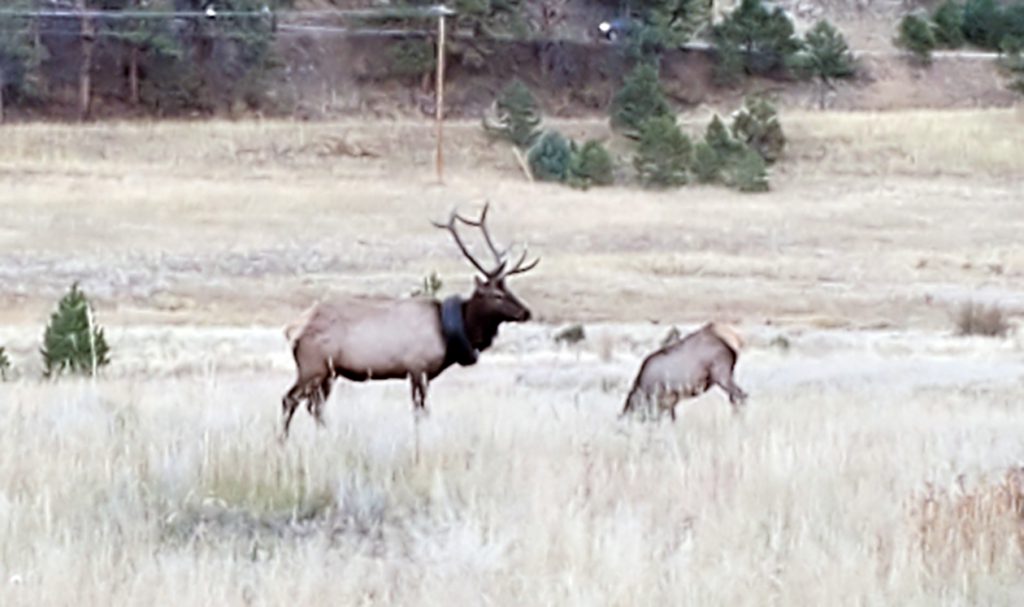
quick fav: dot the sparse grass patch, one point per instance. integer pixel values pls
(573, 334)
(989, 320)
(5, 364)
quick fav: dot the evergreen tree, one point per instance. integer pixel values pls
(639, 99)
(825, 57)
(550, 156)
(983, 23)
(757, 126)
(948, 23)
(663, 153)
(917, 38)
(590, 165)
(665, 24)
(20, 56)
(68, 344)
(765, 39)
(747, 172)
(514, 115)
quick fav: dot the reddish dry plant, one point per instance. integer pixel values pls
(980, 525)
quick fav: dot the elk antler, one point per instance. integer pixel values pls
(453, 230)
(519, 268)
(500, 257)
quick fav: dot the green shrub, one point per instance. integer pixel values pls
(411, 58)
(514, 115)
(550, 156)
(757, 125)
(983, 23)
(590, 165)
(1012, 63)
(763, 39)
(948, 24)
(747, 172)
(729, 69)
(917, 38)
(718, 137)
(573, 334)
(5, 364)
(707, 163)
(72, 341)
(639, 99)
(430, 286)
(663, 154)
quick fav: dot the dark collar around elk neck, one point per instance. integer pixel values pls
(459, 348)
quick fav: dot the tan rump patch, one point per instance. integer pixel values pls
(729, 335)
(293, 331)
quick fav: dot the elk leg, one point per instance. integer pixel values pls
(418, 382)
(668, 400)
(319, 397)
(289, 404)
(721, 375)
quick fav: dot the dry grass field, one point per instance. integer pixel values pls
(875, 464)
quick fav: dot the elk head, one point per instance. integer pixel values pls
(491, 302)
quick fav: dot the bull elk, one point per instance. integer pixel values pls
(417, 338)
(688, 367)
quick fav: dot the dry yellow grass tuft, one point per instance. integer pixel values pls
(962, 529)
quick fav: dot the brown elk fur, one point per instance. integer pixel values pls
(689, 367)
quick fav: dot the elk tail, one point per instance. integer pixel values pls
(729, 335)
(294, 330)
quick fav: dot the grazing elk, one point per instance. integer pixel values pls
(688, 367)
(417, 338)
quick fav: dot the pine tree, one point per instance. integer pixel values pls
(707, 163)
(757, 126)
(747, 172)
(20, 57)
(663, 153)
(550, 156)
(590, 165)
(639, 99)
(68, 344)
(983, 23)
(765, 38)
(514, 115)
(665, 24)
(826, 56)
(916, 37)
(719, 139)
(949, 24)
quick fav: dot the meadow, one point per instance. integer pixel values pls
(877, 463)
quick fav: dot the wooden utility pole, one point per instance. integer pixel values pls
(88, 34)
(439, 88)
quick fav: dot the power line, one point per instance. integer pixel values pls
(212, 12)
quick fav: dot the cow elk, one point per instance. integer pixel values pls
(418, 338)
(686, 368)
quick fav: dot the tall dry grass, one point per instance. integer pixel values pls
(144, 491)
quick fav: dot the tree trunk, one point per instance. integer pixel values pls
(85, 69)
(133, 75)
(1, 94)
(37, 49)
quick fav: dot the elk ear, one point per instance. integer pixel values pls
(477, 282)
